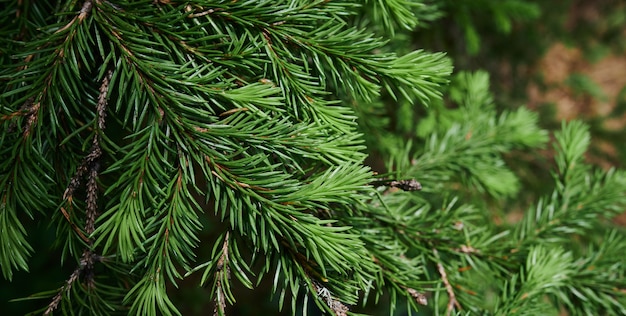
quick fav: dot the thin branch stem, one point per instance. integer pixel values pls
(90, 164)
(94, 156)
(444, 277)
(339, 308)
(419, 297)
(86, 262)
(222, 273)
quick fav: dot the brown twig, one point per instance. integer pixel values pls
(419, 297)
(335, 305)
(444, 277)
(102, 99)
(25, 110)
(223, 271)
(92, 198)
(33, 114)
(91, 165)
(199, 14)
(82, 14)
(406, 185)
(86, 261)
(68, 196)
(467, 249)
(94, 156)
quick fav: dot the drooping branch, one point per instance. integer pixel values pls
(94, 157)
(90, 164)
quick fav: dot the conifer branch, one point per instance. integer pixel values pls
(90, 165)
(261, 111)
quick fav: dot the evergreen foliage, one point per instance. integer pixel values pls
(226, 142)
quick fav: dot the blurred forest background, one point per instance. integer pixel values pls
(564, 59)
(567, 62)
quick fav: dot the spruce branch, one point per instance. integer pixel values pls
(465, 145)
(567, 210)
(392, 13)
(90, 165)
(24, 187)
(260, 112)
(28, 82)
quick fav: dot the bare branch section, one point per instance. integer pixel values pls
(92, 198)
(222, 273)
(94, 157)
(82, 14)
(90, 165)
(406, 185)
(32, 115)
(419, 297)
(86, 261)
(452, 303)
(84, 11)
(336, 306)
